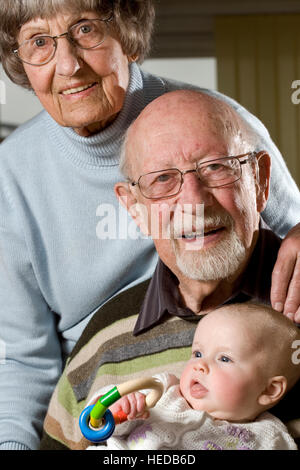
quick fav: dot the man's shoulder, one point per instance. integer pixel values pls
(256, 280)
(122, 306)
(270, 241)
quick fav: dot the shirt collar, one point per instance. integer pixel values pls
(163, 295)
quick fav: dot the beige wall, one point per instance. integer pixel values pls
(258, 62)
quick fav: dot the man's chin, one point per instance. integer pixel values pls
(213, 262)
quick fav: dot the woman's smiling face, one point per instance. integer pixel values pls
(82, 89)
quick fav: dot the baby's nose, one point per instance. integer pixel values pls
(201, 366)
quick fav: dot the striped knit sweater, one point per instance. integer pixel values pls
(108, 353)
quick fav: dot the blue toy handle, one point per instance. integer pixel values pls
(90, 420)
(93, 434)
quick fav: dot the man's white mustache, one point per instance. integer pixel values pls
(189, 225)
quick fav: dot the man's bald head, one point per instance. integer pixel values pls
(179, 112)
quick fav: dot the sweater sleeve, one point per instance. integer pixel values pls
(283, 207)
(31, 353)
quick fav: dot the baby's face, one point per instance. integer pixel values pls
(223, 376)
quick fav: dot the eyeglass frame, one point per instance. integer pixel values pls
(67, 35)
(250, 155)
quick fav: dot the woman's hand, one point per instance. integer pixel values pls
(133, 405)
(285, 289)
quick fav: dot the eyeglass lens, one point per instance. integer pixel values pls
(212, 174)
(86, 35)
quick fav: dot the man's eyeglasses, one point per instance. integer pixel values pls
(86, 34)
(214, 173)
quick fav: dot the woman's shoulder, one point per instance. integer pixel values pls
(28, 129)
(24, 139)
(168, 85)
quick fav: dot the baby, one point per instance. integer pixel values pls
(242, 364)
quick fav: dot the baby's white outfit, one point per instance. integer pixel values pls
(173, 425)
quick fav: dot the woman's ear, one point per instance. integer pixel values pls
(137, 210)
(263, 174)
(274, 391)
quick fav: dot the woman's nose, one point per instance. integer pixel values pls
(67, 60)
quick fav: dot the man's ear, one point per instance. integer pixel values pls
(125, 195)
(274, 391)
(263, 174)
(137, 210)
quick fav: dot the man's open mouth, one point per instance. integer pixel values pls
(197, 235)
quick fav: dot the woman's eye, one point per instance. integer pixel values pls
(40, 42)
(85, 29)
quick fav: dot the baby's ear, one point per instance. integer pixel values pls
(274, 391)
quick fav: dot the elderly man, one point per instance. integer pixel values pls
(191, 163)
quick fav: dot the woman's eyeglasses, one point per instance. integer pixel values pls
(86, 34)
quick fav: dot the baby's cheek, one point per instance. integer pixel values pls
(231, 392)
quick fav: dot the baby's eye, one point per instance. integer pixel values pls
(225, 359)
(197, 354)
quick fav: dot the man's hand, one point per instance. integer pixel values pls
(133, 405)
(285, 289)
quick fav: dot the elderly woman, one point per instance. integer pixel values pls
(57, 174)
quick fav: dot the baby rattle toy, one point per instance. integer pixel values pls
(97, 423)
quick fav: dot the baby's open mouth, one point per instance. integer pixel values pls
(197, 390)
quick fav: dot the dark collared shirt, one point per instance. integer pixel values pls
(163, 296)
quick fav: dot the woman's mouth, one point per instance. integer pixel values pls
(78, 90)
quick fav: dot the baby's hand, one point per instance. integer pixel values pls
(133, 405)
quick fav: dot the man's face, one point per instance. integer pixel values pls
(230, 213)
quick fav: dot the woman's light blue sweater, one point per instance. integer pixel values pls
(56, 203)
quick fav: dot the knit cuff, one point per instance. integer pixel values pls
(13, 446)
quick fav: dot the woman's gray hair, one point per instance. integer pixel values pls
(133, 22)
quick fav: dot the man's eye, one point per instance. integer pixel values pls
(163, 178)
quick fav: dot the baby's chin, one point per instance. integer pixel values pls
(232, 416)
(228, 415)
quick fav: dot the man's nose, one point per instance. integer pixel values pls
(67, 60)
(193, 190)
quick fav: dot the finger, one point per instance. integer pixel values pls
(281, 277)
(145, 415)
(141, 402)
(123, 404)
(297, 316)
(292, 302)
(133, 406)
